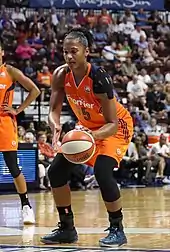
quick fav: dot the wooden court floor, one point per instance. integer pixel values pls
(146, 220)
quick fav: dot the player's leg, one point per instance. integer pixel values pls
(103, 170)
(10, 158)
(59, 175)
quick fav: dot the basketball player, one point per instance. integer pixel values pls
(8, 128)
(89, 91)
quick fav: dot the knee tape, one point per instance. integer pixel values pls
(103, 170)
(60, 171)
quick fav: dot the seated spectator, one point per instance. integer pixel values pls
(126, 27)
(80, 18)
(162, 51)
(24, 51)
(104, 18)
(112, 28)
(100, 37)
(136, 88)
(44, 79)
(137, 33)
(109, 52)
(153, 131)
(142, 43)
(46, 155)
(21, 134)
(29, 137)
(157, 77)
(18, 16)
(141, 18)
(144, 76)
(154, 20)
(8, 34)
(128, 68)
(31, 128)
(129, 17)
(167, 77)
(91, 18)
(159, 152)
(29, 70)
(155, 99)
(163, 28)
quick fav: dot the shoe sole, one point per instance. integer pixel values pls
(112, 246)
(53, 242)
(28, 223)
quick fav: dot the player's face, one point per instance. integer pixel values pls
(75, 53)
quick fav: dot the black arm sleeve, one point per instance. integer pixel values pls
(102, 83)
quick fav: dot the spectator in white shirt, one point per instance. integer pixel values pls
(109, 51)
(136, 88)
(54, 18)
(129, 16)
(17, 15)
(126, 27)
(160, 151)
(153, 128)
(144, 77)
(137, 33)
(167, 77)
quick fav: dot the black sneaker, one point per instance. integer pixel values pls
(61, 235)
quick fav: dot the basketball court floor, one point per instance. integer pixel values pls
(146, 220)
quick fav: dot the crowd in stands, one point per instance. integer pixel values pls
(132, 47)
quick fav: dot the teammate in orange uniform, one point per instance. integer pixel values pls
(8, 128)
(89, 91)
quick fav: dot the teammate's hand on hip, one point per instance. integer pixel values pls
(9, 110)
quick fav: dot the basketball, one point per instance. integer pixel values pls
(78, 146)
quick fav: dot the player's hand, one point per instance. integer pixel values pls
(56, 136)
(80, 127)
(9, 110)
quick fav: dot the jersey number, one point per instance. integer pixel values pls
(86, 114)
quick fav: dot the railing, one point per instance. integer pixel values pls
(37, 111)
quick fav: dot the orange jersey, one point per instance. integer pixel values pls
(8, 125)
(6, 88)
(84, 102)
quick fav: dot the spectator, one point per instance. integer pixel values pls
(21, 134)
(137, 33)
(128, 68)
(136, 88)
(17, 15)
(153, 131)
(129, 16)
(24, 51)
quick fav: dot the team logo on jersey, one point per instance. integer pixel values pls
(68, 84)
(87, 89)
(2, 74)
(80, 102)
(2, 86)
(14, 143)
(118, 151)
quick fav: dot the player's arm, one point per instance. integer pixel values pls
(27, 83)
(57, 97)
(103, 89)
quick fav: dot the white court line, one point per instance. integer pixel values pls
(5, 231)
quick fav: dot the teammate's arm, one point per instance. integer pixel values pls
(57, 98)
(28, 84)
(56, 103)
(103, 89)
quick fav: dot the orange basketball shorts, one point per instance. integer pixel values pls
(8, 133)
(116, 145)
